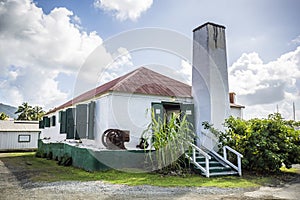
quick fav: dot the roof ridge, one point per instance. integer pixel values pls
(126, 77)
(152, 71)
(173, 79)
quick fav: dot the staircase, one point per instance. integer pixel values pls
(216, 167)
(210, 163)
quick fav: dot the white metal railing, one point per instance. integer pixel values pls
(194, 161)
(238, 168)
(239, 158)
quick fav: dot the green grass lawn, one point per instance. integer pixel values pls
(41, 169)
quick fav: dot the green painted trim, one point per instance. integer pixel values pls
(91, 160)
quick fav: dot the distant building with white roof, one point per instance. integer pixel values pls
(18, 135)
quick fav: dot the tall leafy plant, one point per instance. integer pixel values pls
(170, 140)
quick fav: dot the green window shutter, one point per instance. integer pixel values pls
(158, 110)
(81, 121)
(63, 121)
(53, 120)
(70, 129)
(46, 121)
(41, 124)
(188, 110)
(59, 116)
(91, 122)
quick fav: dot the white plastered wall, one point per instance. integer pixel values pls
(236, 112)
(52, 132)
(131, 112)
(9, 140)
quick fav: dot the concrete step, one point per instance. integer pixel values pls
(202, 159)
(218, 169)
(211, 164)
(228, 173)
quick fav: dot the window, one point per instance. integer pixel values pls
(23, 138)
(53, 120)
(91, 120)
(81, 121)
(63, 121)
(70, 123)
(46, 121)
(41, 124)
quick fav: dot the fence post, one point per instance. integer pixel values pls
(207, 166)
(239, 165)
(224, 153)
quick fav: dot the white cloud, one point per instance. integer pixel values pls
(121, 65)
(262, 86)
(296, 40)
(124, 9)
(35, 48)
(186, 71)
(76, 19)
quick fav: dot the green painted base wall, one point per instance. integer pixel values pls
(92, 160)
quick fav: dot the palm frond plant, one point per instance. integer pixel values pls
(3, 116)
(169, 139)
(27, 112)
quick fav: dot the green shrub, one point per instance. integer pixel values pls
(50, 155)
(65, 160)
(265, 143)
(38, 153)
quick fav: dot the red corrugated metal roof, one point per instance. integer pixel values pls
(139, 81)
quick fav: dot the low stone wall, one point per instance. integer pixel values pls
(91, 159)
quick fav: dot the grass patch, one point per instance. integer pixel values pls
(290, 170)
(16, 154)
(41, 169)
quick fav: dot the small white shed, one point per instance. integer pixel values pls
(18, 135)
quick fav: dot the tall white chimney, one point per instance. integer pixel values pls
(209, 80)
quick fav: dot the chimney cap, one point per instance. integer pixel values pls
(209, 23)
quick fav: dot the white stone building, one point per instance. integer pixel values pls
(125, 103)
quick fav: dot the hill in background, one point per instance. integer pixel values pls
(9, 110)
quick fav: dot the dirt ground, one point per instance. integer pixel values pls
(13, 185)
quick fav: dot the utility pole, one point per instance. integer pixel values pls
(294, 112)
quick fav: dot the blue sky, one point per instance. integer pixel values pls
(266, 27)
(44, 43)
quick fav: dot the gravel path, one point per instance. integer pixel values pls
(11, 188)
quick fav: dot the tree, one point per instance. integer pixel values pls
(24, 111)
(37, 113)
(3, 116)
(27, 112)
